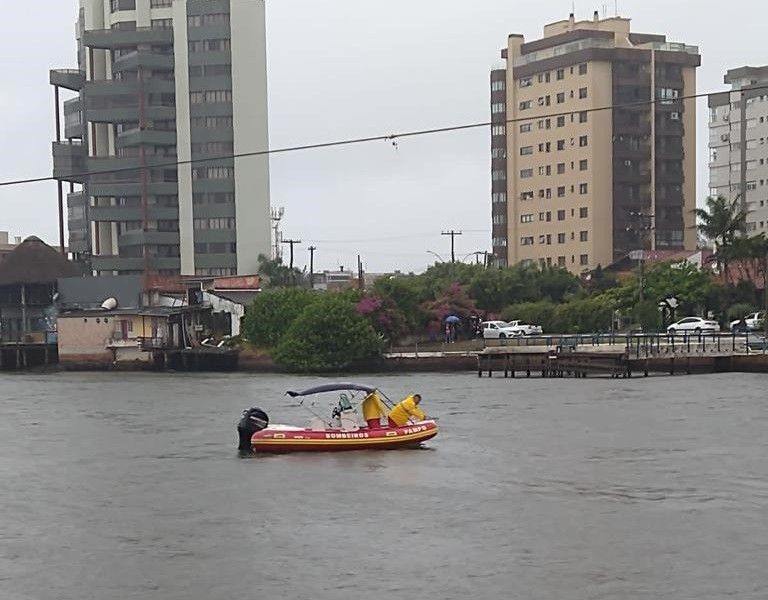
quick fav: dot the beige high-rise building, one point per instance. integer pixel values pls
(576, 183)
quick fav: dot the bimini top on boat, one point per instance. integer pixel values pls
(345, 430)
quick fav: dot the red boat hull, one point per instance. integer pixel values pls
(329, 440)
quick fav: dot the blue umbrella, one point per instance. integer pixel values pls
(452, 319)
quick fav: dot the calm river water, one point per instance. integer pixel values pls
(129, 487)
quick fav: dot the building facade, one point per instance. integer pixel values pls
(161, 81)
(585, 166)
(738, 144)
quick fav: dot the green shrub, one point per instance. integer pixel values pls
(534, 313)
(646, 313)
(270, 315)
(329, 335)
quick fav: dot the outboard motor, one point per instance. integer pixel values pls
(253, 420)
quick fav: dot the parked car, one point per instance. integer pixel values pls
(499, 330)
(693, 325)
(752, 322)
(757, 342)
(525, 328)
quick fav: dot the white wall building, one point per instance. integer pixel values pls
(738, 143)
(161, 81)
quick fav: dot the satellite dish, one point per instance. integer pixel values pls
(109, 304)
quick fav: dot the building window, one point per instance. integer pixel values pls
(526, 218)
(583, 116)
(561, 144)
(210, 97)
(561, 215)
(526, 150)
(583, 212)
(545, 147)
(561, 238)
(526, 240)
(499, 197)
(161, 3)
(117, 5)
(162, 23)
(561, 121)
(583, 188)
(215, 223)
(583, 165)
(583, 141)
(561, 191)
(212, 122)
(561, 97)
(499, 130)
(525, 82)
(495, 175)
(498, 153)
(583, 69)
(525, 128)
(525, 105)
(209, 45)
(498, 107)
(584, 259)
(560, 74)
(526, 173)
(526, 196)
(583, 236)
(560, 168)
(498, 85)
(213, 173)
(582, 93)
(544, 77)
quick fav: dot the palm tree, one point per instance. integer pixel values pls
(721, 222)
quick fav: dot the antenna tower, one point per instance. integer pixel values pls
(277, 215)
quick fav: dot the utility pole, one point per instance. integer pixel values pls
(312, 267)
(453, 235)
(291, 243)
(360, 282)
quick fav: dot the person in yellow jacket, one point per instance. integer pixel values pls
(373, 410)
(406, 410)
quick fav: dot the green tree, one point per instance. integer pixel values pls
(272, 312)
(276, 274)
(329, 335)
(721, 222)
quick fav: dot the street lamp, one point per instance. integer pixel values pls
(440, 258)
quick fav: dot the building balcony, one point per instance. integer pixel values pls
(621, 175)
(623, 151)
(139, 237)
(71, 79)
(132, 188)
(126, 114)
(670, 153)
(107, 39)
(69, 161)
(104, 262)
(138, 137)
(131, 213)
(144, 59)
(671, 178)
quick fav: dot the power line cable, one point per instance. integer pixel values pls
(377, 138)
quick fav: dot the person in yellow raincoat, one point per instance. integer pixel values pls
(405, 410)
(373, 410)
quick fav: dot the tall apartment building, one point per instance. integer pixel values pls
(738, 143)
(575, 183)
(161, 81)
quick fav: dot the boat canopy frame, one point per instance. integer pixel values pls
(333, 387)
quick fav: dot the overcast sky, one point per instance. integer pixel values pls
(349, 68)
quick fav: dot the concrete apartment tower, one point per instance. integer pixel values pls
(577, 187)
(738, 143)
(161, 81)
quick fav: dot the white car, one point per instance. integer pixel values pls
(693, 325)
(525, 328)
(753, 321)
(499, 330)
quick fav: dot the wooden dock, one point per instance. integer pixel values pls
(23, 355)
(583, 357)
